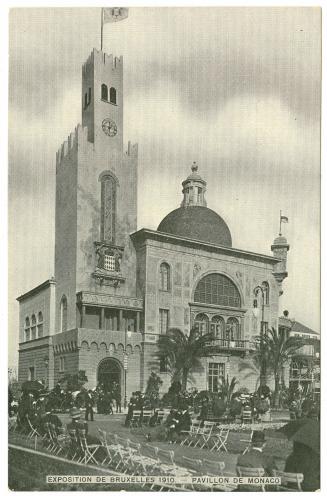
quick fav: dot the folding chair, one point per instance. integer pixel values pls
(12, 424)
(109, 453)
(195, 466)
(220, 440)
(248, 443)
(135, 420)
(289, 481)
(205, 434)
(167, 459)
(161, 415)
(57, 444)
(33, 431)
(251, 472)
(88, 450)
(122, 453)
(147, 414)
(246, 417)
(139, 464)
(151, 452)
(74, 451)
(191, 435)
(47, 438)
(213, 468)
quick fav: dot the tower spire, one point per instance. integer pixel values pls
(194, 188)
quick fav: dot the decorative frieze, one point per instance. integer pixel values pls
(104, 300)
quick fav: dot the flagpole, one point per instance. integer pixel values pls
(101, 28)
(280, 223)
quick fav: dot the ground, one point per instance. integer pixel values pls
(28, 471)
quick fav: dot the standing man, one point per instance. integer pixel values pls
(89, 404)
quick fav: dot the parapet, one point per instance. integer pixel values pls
(98, 57)
(78, 135)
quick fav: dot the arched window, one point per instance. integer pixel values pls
(63, 314)
(33, 327)
(217, 327)
(216, 289)
(113, 95)
(232, 329)
(104, 92)
(27, 329)
(164, 277)
(108, 208)
(201, 323)
(265, 287)
(40, 325)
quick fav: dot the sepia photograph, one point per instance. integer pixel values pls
(164, 248)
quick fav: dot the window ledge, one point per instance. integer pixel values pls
(107, 101)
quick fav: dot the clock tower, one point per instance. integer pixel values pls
(96, 195)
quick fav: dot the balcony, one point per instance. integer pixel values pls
(230, 345)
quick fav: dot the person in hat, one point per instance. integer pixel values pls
(256, 458)
(89, 404)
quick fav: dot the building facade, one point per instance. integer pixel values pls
(116, 288)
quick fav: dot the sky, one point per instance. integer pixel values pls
(235, 89)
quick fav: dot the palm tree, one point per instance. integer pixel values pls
(227, 388)
(278, 349)
(182, 352)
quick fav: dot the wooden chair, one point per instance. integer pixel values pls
(167, 459)
(110, 458)
(152, 453)
(147, 414)
(251, 472)
(246, 417)
(205, 434)
(219, 440)
(289, 481)
(160, 417)
(248, 443)
(191, 436)
(88, 450)
(213, 468)
(33, 432)
(195, 466)
(135, 420)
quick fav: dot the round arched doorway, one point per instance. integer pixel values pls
(109, 374)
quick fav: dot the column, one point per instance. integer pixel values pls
(82, 315)
(102, 323)
(137, 321)
(120, 321)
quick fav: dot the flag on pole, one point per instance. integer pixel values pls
(114, 14)
(283, 218)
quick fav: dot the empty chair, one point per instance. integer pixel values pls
(167, 459)
(248, 443)
(247, 417)
(213, 468)
(160, 416)
(289, 481)
(205, 434)
(220, 440)
(88, 450)
(191, 436)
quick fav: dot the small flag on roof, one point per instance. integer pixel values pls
(114, 14)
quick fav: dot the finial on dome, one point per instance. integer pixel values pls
(194, 167)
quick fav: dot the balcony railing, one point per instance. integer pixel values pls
(228, 344)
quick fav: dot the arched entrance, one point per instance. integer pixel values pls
(109, 374)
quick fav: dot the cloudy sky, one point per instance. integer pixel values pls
(235, 89)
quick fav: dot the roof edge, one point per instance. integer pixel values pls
(149, 233)
(37, 289)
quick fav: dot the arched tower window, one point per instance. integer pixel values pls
(108, 208)
(201, 323)
(40, 325)
(265, 287)
(63, 314)
(113, 95)
(104, 92)
(216, 289)
(232, 329)
(164, 277)
(217, 327)
(27, 329)
(33, 327)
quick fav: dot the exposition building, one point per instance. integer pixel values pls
(116, 288)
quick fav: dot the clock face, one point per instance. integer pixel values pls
(109, 127)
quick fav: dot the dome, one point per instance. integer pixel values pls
(280, 240)
(197, 222)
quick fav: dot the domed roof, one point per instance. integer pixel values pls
(197, 222)
(280, 240)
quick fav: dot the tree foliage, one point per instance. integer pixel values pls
(182, 352)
